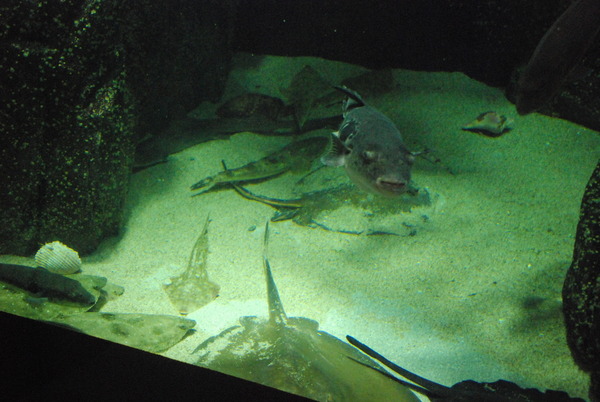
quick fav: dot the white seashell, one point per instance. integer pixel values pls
(58, 258)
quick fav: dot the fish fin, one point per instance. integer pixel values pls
(337, 152)
(200, 246)
(354, 99)
(274, 202)
(284, 215)
(423, 386)
(276, 312)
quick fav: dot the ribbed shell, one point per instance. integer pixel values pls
(58, 258)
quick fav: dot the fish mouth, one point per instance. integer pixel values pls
(392, 187)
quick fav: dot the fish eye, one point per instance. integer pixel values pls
(369, 156)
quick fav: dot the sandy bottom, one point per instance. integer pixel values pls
(474, 294)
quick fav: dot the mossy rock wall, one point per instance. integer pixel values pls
(581, 290)
(80, 82)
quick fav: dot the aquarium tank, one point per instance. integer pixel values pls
(333, 200)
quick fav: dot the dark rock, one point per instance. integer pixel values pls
(66, 126)
(178, 54)
(581, 290)
(81, 80)
(484, 39)
(579, 100)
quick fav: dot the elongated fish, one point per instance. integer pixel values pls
(370, 147)
(294, 156)
(558, 54)
(45, 283)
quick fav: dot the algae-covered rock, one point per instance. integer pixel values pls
(66, 127)
(581, 290)
(82, 81)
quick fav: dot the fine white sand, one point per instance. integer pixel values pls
(475, 294)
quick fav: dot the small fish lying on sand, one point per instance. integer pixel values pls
(191, 289)
(44, 283)
(370, 147)
(295, 156)
(490, 124)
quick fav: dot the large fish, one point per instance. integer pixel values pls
(370, 147)
(558, 54)
(292, 354)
